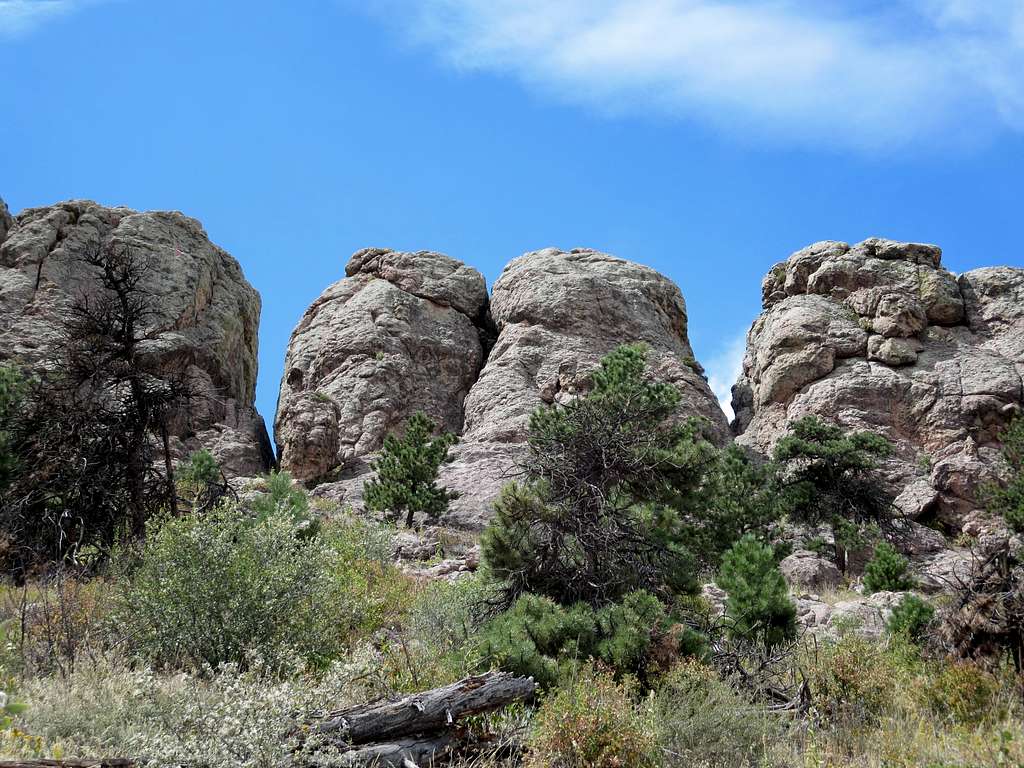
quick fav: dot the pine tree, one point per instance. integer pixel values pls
(609, 478)
(758, 602)
(887, 571)
(1008, 500)
(831, 477)
(407, 470)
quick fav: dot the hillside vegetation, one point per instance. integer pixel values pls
(206, 626)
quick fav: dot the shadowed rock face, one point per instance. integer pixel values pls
(406, 332)
(207, 313)
(879, 336)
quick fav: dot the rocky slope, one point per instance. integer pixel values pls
(880, 336)
(207, 313)
(413, 331)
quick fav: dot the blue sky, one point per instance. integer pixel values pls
(707, 139)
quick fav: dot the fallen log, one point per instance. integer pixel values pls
(426, 712)
(116, 762)
(401, 753)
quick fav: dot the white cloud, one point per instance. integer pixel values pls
(857, 73)
(18, 17)
(724, 369)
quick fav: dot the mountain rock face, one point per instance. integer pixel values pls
(206, 312)
(406, 332)
(557, 314)
(879, 336)
(403, 332)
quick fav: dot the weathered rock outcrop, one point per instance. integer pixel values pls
(879, 336)
(206, 312)
(403, 332)
(557, 314)
(406, 332)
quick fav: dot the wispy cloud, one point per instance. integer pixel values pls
(863, 73)
(724, 369)
(19, 17)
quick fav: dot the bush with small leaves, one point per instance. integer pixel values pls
(211, 589)
(758, 603)
(887, 571)
(702, 720)
(1008, 499)
(910, 618)
(407, 468)
(852, 680)
(593, 722)
(962, 692)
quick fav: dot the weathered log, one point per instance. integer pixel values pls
(401, 753)
(426, 712)
(115, 762)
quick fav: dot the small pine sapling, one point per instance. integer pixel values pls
(758, 602)
(407, 470)
(887, 571)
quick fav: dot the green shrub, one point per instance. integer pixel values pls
(283, 498)
(1008, 499)
(887, 571)
(407, 468)
(592, 722)
(962, 692)
(540, 638)
(702, 720)
(853, 681)
(758, 602)
(911, 618)
(211, 589)
(199, 480)
(832, 477)
(740, 495)
(12, 394)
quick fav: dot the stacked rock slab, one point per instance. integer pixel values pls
(557, 314)
(403, 332)
(879, 336)
(206, 312)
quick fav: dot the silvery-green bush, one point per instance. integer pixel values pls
(209, 590)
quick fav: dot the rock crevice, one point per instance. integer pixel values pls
(477, 365)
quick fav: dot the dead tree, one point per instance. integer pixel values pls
(414, 730)
(94, 440)
(985, 618)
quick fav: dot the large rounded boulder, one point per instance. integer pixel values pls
(401, 333)
(202, 311)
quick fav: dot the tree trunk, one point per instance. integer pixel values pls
(400, 753)
(430, 711)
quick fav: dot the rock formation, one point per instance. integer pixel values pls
(403, 332)
(206, 312)
(412, 331)
(879, 336)
(557, 314)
